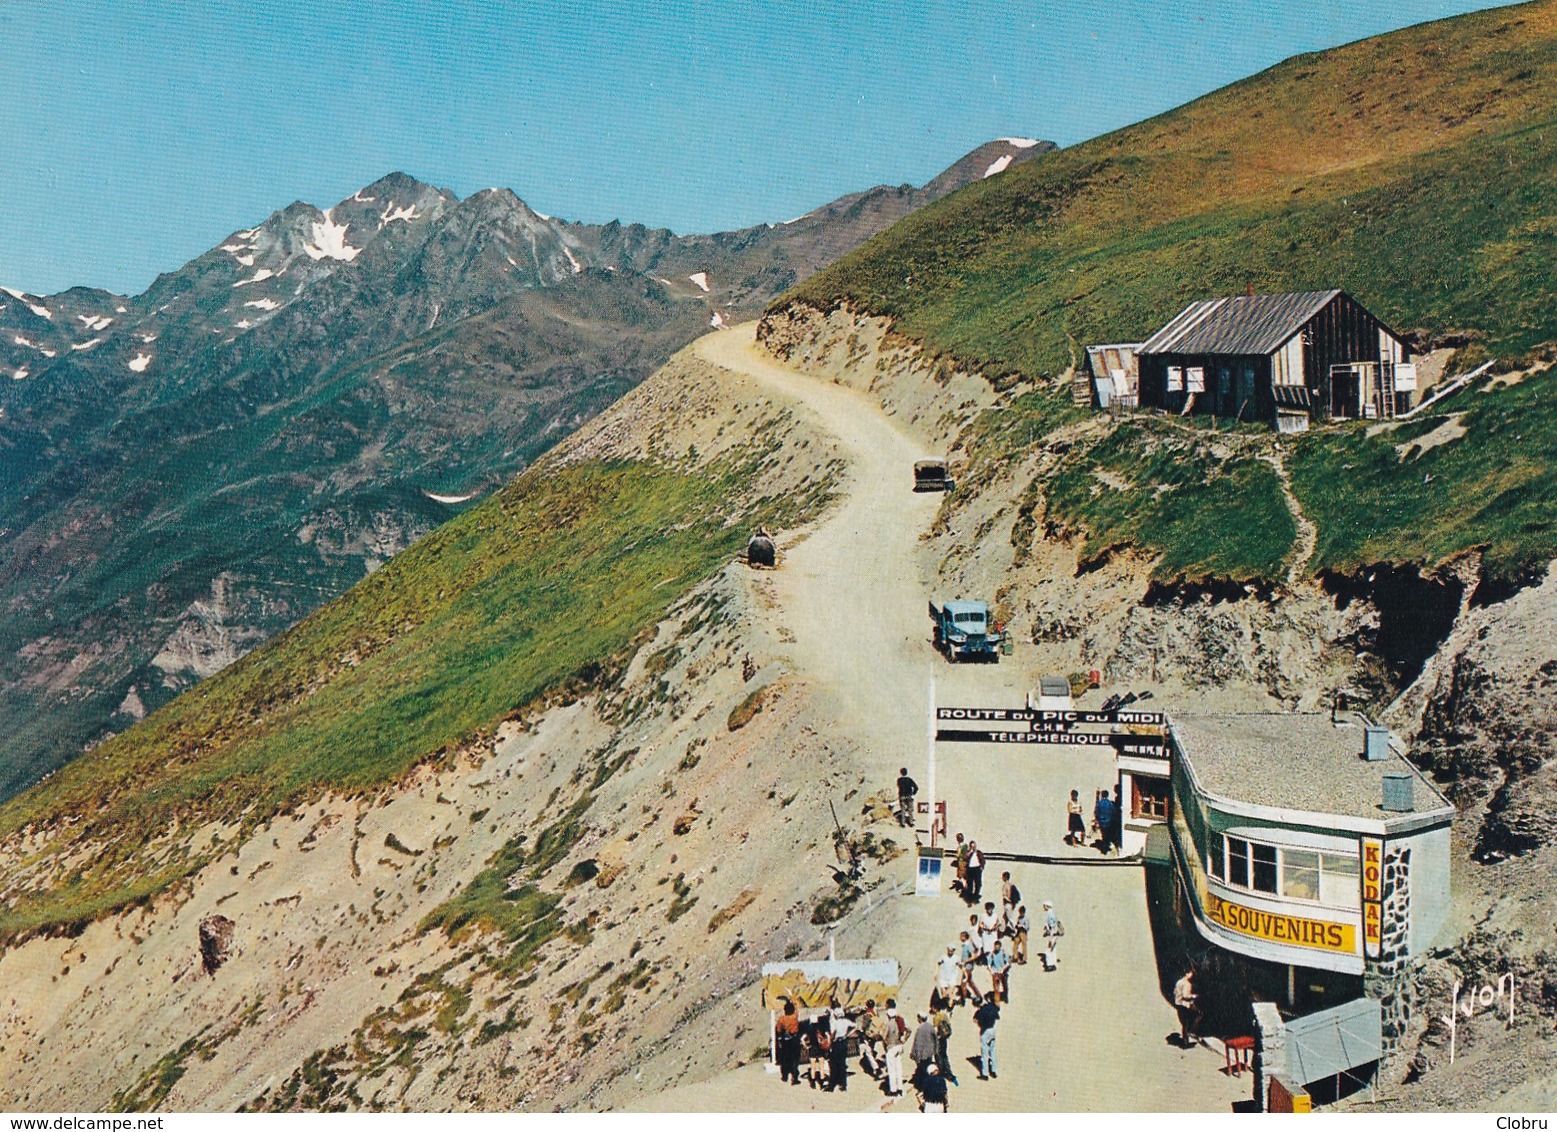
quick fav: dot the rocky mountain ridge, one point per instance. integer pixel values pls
(286, 411)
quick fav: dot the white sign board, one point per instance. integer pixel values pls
(928, 882)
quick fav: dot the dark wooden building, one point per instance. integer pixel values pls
(1283, 359)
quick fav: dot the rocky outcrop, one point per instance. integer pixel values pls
(933, 397)
(215, 942)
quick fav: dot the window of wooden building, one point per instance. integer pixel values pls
(1149, 798)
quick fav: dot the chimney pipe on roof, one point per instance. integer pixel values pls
(1375, 741)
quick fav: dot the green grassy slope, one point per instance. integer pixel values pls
(545, 584)
(1417, 170)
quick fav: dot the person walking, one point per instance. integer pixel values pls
(974, 890)
(985, 1018)
(948, 974)
(1105, 820)
(940, 1018)
(961, 858)
(896, 1034)
(1010, 895)
(1187, 1002)
(1052, 930)
(989, 929)
(932, 1090)
(821, 1050)
(999, 970)
(967, 956)
(872, 1039)
(923, 1048)
(838, 1055)
(786, 1032)
(1075, 827)
(907, 789)
(1021, 926)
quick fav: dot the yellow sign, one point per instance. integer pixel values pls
(1372, 894)
(821, 982)
(1278, 927)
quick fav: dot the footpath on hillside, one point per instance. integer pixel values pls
(1092, 1035)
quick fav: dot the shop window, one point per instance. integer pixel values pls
(1149, 798)
(1338, 880)
(1299, 874)
(1296, 874)
(1264, 868)
(1238, 862)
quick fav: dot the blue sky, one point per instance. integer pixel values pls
(133, 136)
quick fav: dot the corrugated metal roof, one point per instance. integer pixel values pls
(1239, 324)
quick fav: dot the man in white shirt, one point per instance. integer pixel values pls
(949, 974)
(989, 928)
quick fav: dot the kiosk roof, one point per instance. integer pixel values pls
(1296, 762)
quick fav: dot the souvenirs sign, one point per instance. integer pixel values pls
(1281, 927)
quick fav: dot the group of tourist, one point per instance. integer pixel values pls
(995, 941)
(880, 1036)
(1107, 821)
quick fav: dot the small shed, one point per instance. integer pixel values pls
(1115, 377)
(1284, 359)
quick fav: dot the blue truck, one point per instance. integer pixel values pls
(964, 631)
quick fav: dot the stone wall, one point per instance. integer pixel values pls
(1388, 978)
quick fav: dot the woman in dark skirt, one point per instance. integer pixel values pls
(1076, 826)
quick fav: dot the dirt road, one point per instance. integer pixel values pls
(851, 603)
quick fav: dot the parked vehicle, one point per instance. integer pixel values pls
(964, 631)
(931, 475)
(760, 551)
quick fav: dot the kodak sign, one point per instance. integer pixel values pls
(1372, 896)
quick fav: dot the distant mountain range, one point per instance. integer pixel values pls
(188, 471)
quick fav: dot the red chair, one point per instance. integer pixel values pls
(1237, 1052)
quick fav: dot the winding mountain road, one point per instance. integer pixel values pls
(851, 605)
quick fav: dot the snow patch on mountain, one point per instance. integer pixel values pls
(436, 498)
(717, 322)
(139, 362)
(360, 199)
(31, 345)
(1021, 143)
(95, 321)
(147, 338)
(998, 165)
(263, 304)
(86, 345)
(19, 375)
(259, 276)
(40, 311)
(577, 266)
(395, 212)
(330, 241)
(701, 279)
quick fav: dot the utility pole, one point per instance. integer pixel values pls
(930, 774)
